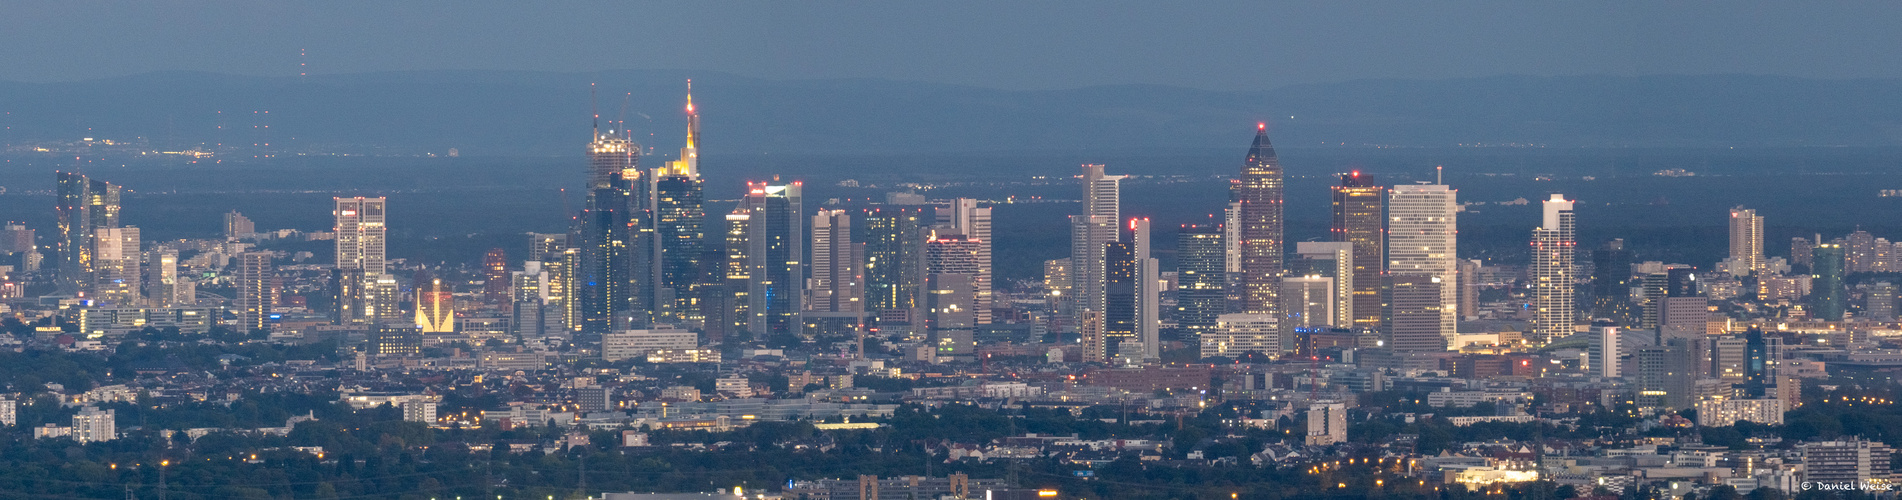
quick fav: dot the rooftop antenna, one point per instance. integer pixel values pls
(595, 109)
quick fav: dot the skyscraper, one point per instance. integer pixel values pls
(1746, 240)
(1611, 284)
(238, 226)
(1879, 303)
(744, 311)
(1335, 260)
(1826, 282)
(1358, 219)
(1553, 245)
(1094, 226)
(603, 278)
(894, 257)
(1418, 324)
(679, 195)
(838, 265)
(964, 217)
(84, 206)
(1201, 276)
(611, 153)
(1148, 289)
(361, 234)
(1130, 315)
(775, 237)
(1684, 310)
(495, 267)
(1261, 212)
(116, 255)
(1422, 233)
(255, 297)
(161, 278)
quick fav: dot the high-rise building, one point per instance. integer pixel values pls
(530, 312)
(382, 305)
(1120, 294)
(1611, 284)
(1418, 324)
(1684, 310)
(1148, 289)
(1602, 354)
(1090, 229)
(679, 196)
(743, 312)
(161, 278)
(361, 234)
(116, 275)
(1826, 282)
(1847, 462)
(84, 207)
(611, 153)
(254, 284)
(838, 265)
(1308, 301)
(1422, 238)
(1746, 239)
(1332, 259)
(1201, 276)
(1090, 331)
(1327, 423)
(1801, 251)
(1469, 288)
(1359, 220)
(1236, 334)
(238, 226)
(894, 257)
(1861, 252)
(604, 278)
(91, 424)
(435, 304)
(1058, 292)
(775, 235)
(964, 217)
(395, 339)
(949, 303)
(495, 267)
(1261, 226)
(1553, 247)
(1879, 303)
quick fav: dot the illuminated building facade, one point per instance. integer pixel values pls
(1201, 276)
(84, 207)
(1261, 226)
(1553, 247)
(1359, 207)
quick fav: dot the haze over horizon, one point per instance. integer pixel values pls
(1010, 46)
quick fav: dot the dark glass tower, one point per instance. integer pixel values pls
(1201, 275)
(1261, 195)
(84, 205)
(1119, 294)
(894, 256)
(1611, 284)
(1826, 292)
(603, 279)
(1359, 219)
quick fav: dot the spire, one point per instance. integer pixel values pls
(693, 120)
(1262, 151)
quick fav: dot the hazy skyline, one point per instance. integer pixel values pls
(1234, 45)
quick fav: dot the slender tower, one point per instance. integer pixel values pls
(1094, 227)
(1422, 235)
(1260, 196)
(1358, 207)
(1553, 244)
(679, 193)
(1746, 241)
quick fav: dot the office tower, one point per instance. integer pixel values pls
(744, 311)
(1729, 359)
(395, 339)
(1091, 334)
(594, 399)
(951, 254)
(949, 302)
(1418, 324)
(495, 267)
(1058, 292)
(435, 304)
(604, 281)
(116, 276)
(1861, 248)
(1148, 289)
(1332, 259)
(775, 236)
(1327, 423)
(1422, 237)
(1469, 288)
(84, 207)
(611, 154)
(1684, 310)
(1201, 276)
(1120, 294)
(15, 237)
(838, 265)
(255, 299)
(361, 234)
(1239, 333)
(238, 226)
(1261, 226)
(1879, 303)
(1826, 282)
(1611, 284)
(382, 306)
(964, 217)
(1763, 357)
(1358, 219)
(546, 247)
(1665, 373)
(679, 195)
(1802, 251)
(530, 311)
(1094, 226)
(161, 278)
(1553, 246)
(1308, 301)
(894, 257)
(1746, 240)
(350, 297)
(1602, 353)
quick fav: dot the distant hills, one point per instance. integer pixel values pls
(499, 113)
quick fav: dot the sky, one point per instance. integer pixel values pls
(1016, 45)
